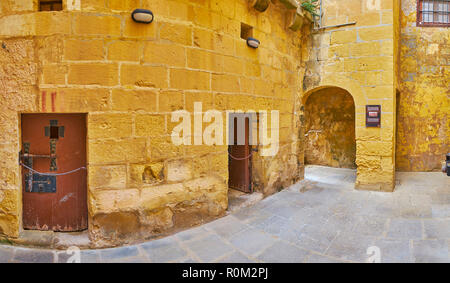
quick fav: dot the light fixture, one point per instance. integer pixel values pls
(142, 16)
(253, 42)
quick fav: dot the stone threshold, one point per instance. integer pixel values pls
(238, 199)
(53, 240)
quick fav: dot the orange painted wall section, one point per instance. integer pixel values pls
(423, 105)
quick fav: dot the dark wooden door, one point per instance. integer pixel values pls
(65, 208)
(239, 161)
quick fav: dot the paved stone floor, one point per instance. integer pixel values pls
(322, 219)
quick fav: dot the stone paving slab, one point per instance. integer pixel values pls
(252, 241)
(33, 256)
(317, 243)
(6, 253)
(236, 257)
(440, 211)
(394, 250)
(281, 252)
(321, 219)
(115, 254)
(226, 227)
(210, 248)
(375, 226)
(448, 242)
(89, 256)
(274, 225)
(350, 246)
(405, 229)
(318, 258)
(431, 251)
(194, 233)
(164, 250)
(437, 228)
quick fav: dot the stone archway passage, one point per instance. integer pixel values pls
(330, 128)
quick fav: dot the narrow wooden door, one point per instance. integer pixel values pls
(239, 161)
(54, 144)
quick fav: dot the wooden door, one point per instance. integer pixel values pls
(239, 161)
(54, 144)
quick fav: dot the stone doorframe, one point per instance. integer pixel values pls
(375, 147)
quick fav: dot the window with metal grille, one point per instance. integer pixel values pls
(433, 13)
(50, 5)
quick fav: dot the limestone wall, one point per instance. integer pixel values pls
(360, 59)
(128, 77)
(424, 93)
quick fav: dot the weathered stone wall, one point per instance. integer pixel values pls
(18, 77)
(424, 93)
(330, 129)
(360, 59)
(128, 77)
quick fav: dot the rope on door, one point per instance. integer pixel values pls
(52, 174)
(236, 158)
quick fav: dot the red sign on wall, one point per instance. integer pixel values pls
(373, 115)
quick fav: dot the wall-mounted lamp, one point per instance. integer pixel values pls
(142, 16)
(253, 42)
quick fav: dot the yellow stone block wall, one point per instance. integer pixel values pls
(18, 75)
(128, 78)
(423, 136)
(360, 59)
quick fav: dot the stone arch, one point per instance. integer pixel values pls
(345, 84)
(374, 146)
(329, 127)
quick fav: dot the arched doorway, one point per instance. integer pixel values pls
(330, 128)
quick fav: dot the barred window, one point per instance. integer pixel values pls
(433, 13)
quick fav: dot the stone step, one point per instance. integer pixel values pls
(238, 200)
(54, 240)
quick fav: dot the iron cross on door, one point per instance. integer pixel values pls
(53, 171)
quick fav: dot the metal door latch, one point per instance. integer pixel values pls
(34, 182)
(43, 184)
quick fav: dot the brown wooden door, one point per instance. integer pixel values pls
(239, 162)
(66, 208)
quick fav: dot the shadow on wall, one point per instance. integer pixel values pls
(330, 128)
